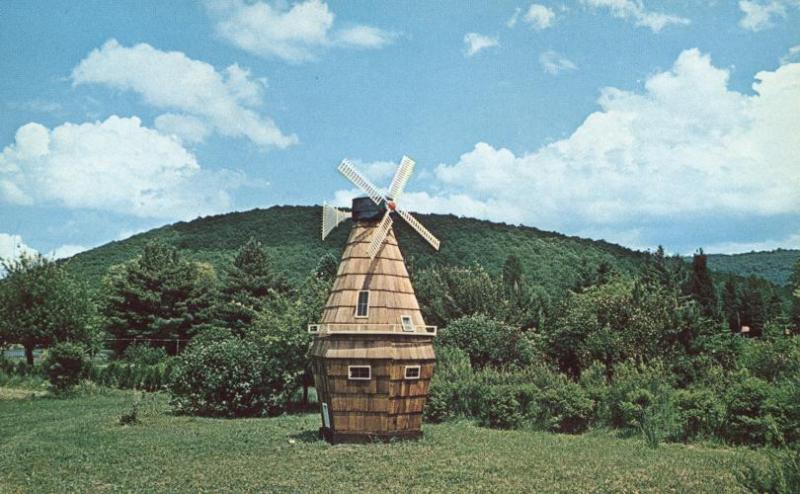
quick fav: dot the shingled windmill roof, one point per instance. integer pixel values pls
(385, 277)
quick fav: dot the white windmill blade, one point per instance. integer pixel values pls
(379, 235)
(348, 170)
(401, 177)
(416, 225)
(331, 218)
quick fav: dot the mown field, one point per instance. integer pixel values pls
(78, 445)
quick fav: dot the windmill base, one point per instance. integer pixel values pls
(334, 437)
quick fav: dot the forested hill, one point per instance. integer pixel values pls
(776, 266)
(291, 235)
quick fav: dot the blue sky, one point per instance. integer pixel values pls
(642, 123)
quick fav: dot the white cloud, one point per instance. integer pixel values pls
(115, 165)
(474, 43)
(790, 242)
(635, 11)
(760, 15)
(295, 34)
(791, 56)
(539, 17)
(225, 102)
(12, 246)
(685, 145)
(512, 21)
(554, 63)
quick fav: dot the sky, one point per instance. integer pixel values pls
(643, 123)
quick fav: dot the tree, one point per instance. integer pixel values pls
(488, 342)
(513, 272)
(41, 304)
(795, 285)
(158, 296)
(249, 284)
(283, 327)
(701, 286)
(730, 305)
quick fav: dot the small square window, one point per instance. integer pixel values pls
(362, 307)
(359, 372)
(408, 325)
(412, 372)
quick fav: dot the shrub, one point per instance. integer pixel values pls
(488, 342)
(500, 409)
(629, 379)
(440, 404)
(780, 476)
(230, 378)
(699, 412)
(745, 420)
(565, 407)
(784, 405)
(66, 363)
(143, 354)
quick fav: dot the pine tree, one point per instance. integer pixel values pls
(701, 286)
(730, 305)
(249, 284)
(159, 296)
(795, 285)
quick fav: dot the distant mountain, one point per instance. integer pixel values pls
(291, 235)
(776, 266)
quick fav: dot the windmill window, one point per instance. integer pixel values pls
(362, 307)
(359, 372)
(412, 372)
(408, 325)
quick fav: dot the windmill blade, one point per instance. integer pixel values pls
(401, 177)
(331, 217)
(348, 170)
(379, 235)
(416, 225)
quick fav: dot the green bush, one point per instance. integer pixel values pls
(230, 378)
(65, 364)
(565, 407)
(700, 413)
(745, 420)
(440, 404)
(500, 409)
(780, 476)
(488, 342)
(143, 354)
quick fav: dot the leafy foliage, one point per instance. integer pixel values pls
(41, 304)
(488, 342)
(66, 363)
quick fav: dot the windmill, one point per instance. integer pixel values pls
(372, 353)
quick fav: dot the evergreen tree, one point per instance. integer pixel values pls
(730, 305)
(753, 307)
(327, 267)
(41, 304)
(249, 284)
(512, 272)
(701, 286)
(795, 309)
(158, 296)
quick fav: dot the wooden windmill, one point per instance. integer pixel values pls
(372, 353)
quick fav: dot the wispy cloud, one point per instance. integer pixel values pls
(761, 15)
(295, 34)
(554, 63)
(634, 10)
(474, 43)
(539, 17)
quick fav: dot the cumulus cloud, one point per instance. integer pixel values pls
(207, 100)
(539, 17)
(760, 15)
(12, 246)
(474, 43)
(554, 63)
(685, 146)
(115, 165)
(295, 34)
(634, 10)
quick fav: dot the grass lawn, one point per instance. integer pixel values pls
(77, 445)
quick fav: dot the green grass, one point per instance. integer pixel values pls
(77, 445)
